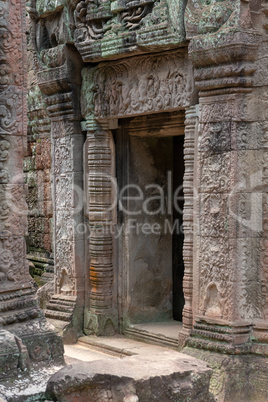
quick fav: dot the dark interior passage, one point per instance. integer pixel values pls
(177, 238)
(151, 241)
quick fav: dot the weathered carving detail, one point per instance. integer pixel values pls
(18, 303)
(58, 74)
(122, 90)
(107, 28)
(92, 19)
(214, 171)
(131, 17)
(207, 16)
(230, 173)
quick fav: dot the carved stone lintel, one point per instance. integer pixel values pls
(139, 86)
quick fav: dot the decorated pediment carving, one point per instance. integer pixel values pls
(104, 29)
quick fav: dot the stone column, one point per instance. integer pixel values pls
(229, 184)
(25, 332)
(62, 90)
(188, 219)
(100, 313)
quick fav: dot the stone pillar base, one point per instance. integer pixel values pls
(221, 336)
(25, 323)
(100, 325)
(13, 355)
(40, 340)
(182, 338)
(260, 338)
(235, 377)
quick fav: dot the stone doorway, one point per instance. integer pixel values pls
(150, 168)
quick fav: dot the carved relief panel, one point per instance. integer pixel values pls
(140, 86)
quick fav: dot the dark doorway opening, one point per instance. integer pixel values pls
(149, 150)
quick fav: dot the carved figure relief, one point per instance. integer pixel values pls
(64, 262)
(207, 16)
(63, 159)
(250, 300)
(142, 86)
(212, 305)
(216, 269)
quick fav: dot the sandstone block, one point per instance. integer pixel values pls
(167, 376)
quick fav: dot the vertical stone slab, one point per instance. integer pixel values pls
(19, 310)
(229, 185)
(66, 306)
(58, 67)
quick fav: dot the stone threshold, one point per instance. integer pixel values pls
(118, 345)
(160, 333)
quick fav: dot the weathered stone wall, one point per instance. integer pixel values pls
(37, 174)
(25, 334)
(215, 71)
(37, 165)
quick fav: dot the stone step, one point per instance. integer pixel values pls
(103, 347)
(118, 345)
(48, 276)
(64, 298)
(61, 303)
(153, 338)
(58, 315)
(59, 307)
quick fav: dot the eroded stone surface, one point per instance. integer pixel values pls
(163, 377)
(219, 80)
(25, 334)
(235, 377)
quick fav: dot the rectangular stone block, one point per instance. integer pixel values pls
(217, 267)
(166, 376)
(67, 154)
(216, 173)
(68, 191)
(13, 211)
